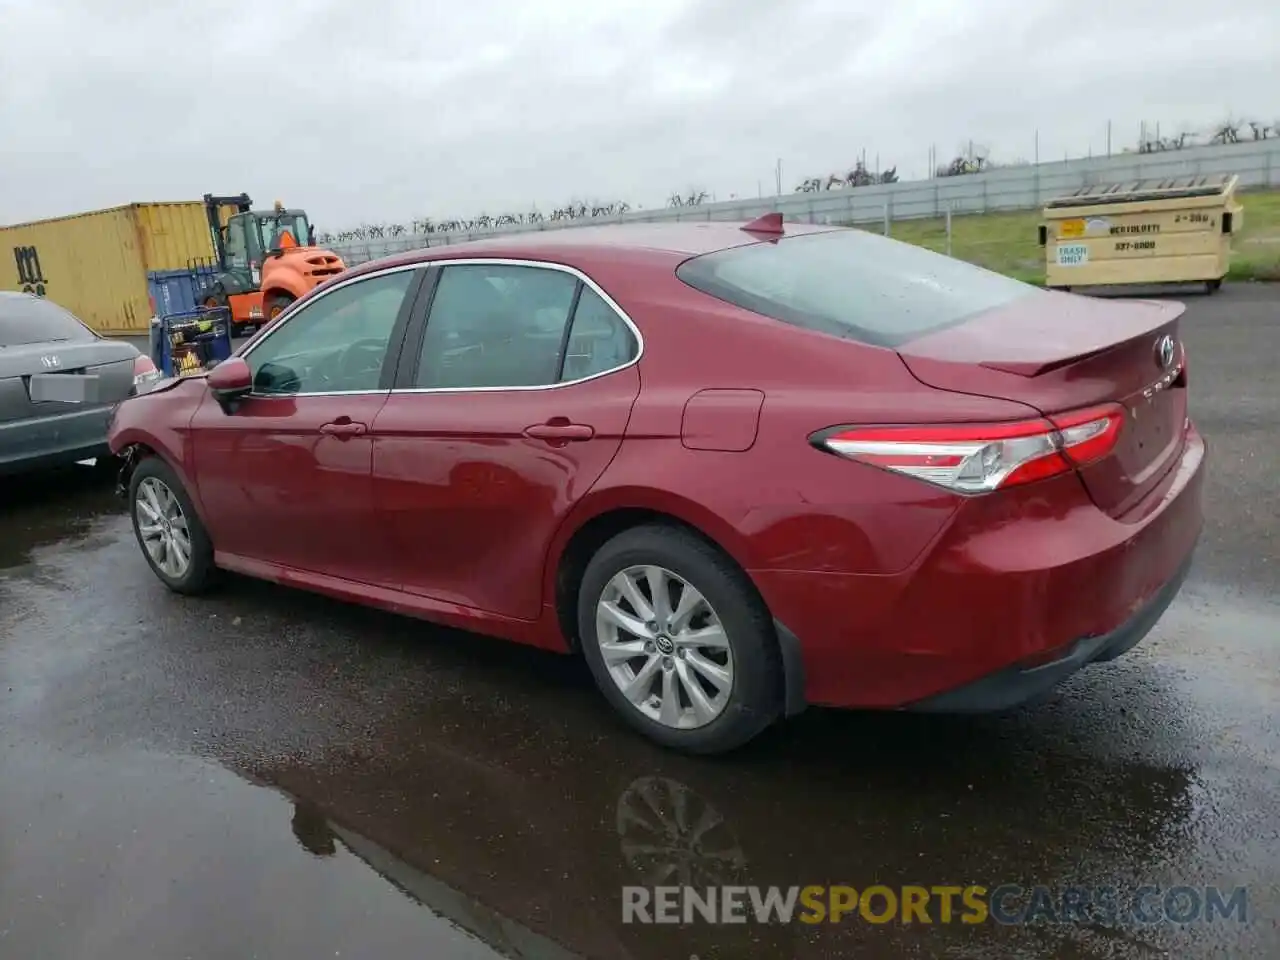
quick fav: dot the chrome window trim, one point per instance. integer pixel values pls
(464, 261)
(294, 309)
(545, 265)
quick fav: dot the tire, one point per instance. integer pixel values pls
(151, 478)
(752, 700)
(273, 305)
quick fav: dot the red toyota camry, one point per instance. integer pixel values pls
(738, 468)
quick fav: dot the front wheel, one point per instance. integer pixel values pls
(275, 305)
(679, 641)
(169, 532)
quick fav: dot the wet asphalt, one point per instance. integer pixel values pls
(267, 774)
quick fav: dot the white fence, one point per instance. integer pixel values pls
(1257, 163)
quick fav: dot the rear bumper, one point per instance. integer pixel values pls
(1017, 592)
(1017, 684)
(37, 444)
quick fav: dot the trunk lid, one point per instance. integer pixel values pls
(1059, 352)
(111, 361)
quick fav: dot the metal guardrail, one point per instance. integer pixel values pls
(1029, 187)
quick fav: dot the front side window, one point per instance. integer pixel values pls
(237, 251)
(496, 325)
(337, 344)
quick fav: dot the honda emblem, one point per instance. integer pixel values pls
(51, 362)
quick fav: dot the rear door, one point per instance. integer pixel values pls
(512, 398)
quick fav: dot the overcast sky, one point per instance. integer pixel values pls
(387, 110)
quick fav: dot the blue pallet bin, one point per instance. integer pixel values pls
(177, 291)
(203, 333)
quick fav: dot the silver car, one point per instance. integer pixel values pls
(59, 383)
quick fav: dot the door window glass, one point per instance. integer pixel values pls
(337, 344)
(494, 325)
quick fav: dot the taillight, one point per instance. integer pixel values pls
(977, 458)
(144, 374)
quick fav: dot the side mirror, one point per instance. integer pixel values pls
(230, 381)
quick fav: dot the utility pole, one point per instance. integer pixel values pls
(778, 176)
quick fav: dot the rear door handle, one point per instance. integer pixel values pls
(343, 428)
(559, 429)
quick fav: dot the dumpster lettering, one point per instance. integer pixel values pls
(1136, 245)
(1193, 218)
(30, 275)
(1136, 228)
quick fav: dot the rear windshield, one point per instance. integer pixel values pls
(26, 319)
(852, 284)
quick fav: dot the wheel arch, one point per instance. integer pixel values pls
(598, 518)
(134, 446)
(599, 521)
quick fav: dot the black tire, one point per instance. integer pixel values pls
(754, 701)
(108, 465)
(200, 573)
(1213, 286)
(273, 305)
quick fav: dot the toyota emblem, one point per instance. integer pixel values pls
(1164, 352)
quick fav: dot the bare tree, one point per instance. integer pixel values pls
(1226, 132)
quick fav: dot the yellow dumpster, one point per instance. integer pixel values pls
(1151, 231)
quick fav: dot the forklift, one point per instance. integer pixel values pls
(264, 260)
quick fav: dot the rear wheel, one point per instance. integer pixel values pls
(678, 640)
(169, 532)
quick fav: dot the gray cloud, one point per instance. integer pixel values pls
(387, 110)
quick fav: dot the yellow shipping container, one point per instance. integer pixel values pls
(95, 264)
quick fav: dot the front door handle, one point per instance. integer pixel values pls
(344, 427)
(559, 429)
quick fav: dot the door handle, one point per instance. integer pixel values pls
(559, 429)
(343, 428)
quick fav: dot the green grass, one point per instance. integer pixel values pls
(1009, 242)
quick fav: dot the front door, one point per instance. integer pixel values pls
(286, 478)
(515, 403)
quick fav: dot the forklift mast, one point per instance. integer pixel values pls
(213, 212)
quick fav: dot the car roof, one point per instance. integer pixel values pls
(652, 244)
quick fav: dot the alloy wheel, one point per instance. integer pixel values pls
(665, 647)
(162, 527)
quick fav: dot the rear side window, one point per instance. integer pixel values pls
(853, 284)
(26, 319)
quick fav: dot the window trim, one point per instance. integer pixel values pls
(404, 322)
(422, 317)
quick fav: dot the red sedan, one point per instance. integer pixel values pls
(739, 468)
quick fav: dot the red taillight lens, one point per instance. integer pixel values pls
(977, 458)
(144, 374)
